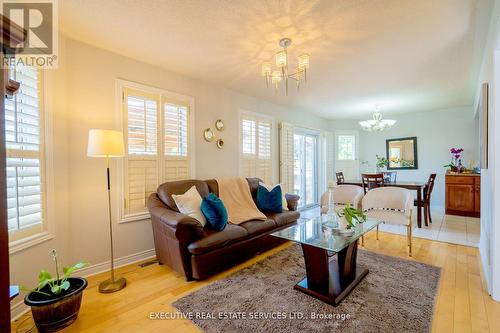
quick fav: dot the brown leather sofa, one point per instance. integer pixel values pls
(197, 252)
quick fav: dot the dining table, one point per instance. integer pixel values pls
(419, 187)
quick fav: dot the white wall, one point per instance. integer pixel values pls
(489, 244)
(81, 94)
(436, 132)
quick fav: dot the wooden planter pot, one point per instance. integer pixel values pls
(53, 313)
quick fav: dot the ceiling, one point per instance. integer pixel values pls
(405, 55)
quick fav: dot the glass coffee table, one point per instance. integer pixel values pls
(327, 279)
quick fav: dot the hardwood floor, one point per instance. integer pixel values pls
(463, 305)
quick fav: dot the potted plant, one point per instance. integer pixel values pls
(455, 163)
(56, 301)
(382, 162)
(349, 217)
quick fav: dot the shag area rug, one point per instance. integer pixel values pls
(397, 295)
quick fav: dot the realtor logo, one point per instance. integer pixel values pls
(39, 19)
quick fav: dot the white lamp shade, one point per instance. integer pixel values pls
(105, 143)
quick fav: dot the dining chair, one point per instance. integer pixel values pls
(342, 194)
(427, 198)
(340, 177)
(372, 180)
(390, 176)
(393, 205)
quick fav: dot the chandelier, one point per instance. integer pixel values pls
(377, 124)
(281, 73)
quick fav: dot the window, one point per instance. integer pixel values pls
(346, 147)
(256, 146)
(24, 150)
(142, 149)
(176, 129)
(248, 139)
(157, 134)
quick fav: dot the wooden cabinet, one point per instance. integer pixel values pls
(463, 193)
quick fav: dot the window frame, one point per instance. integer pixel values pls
(274, 141)
(338, 147)
(165, 97)
(46, 231)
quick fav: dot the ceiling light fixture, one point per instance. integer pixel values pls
(377, 124)
(281, 73)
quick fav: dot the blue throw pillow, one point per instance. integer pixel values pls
(270, 201)
(215, 212)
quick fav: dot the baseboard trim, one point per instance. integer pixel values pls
(18, 309)
(120, 262)
(484, 263)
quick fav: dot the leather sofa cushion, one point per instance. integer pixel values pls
(284, 218)
(213, 186)
(216, 239)
(254, 185)
(255, 227)
(166, 190)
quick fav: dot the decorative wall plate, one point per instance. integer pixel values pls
(208, 135)
(220, 143)
(219, 125)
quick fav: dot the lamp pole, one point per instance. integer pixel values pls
(110, 223)
(111, 285)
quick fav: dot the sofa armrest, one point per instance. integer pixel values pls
(185, 228)
(292, 201)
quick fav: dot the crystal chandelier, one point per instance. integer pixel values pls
(377, 124)
(281, 73)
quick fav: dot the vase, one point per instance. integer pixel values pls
(342, 223)
(332, 215)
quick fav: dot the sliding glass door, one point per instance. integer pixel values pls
(305, 168)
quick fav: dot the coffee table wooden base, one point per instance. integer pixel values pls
(330, 280)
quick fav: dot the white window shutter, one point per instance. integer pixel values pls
(157, 131)
(142, 181)
(23, 142)
(141, 163)
(176, 137)
(286, 157)
(256, 146)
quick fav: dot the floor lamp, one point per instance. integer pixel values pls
(107, 144)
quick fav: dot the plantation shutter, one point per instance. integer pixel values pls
(264, 162)
(141, 163)
(256, 147)
(286, 157)
(23, 136)
(176, 145)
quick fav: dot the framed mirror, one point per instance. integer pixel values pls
(220, 143)
(208, 135)
(219, 125)
(401, 153)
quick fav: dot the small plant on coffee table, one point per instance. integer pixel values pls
(352, 215)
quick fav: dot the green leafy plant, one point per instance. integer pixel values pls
(382, 162)
(352, 215)
(450, 165)
(59, 282)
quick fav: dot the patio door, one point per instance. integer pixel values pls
(305, 167)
